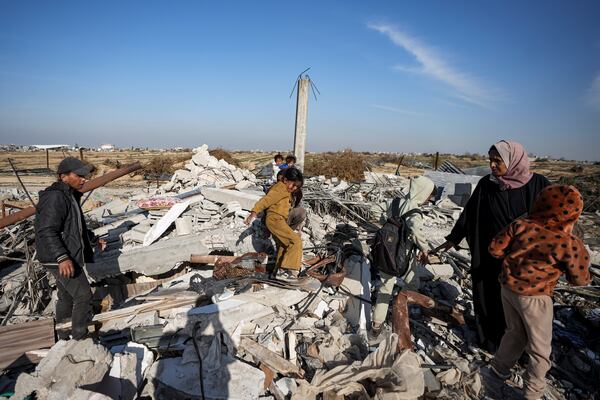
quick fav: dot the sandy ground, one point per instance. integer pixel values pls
(36, 160)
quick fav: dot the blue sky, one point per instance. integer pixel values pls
(448, 76)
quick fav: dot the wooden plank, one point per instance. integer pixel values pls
(17, 340)
(274, 361)
(159, 305)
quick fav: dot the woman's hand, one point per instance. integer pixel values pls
(447, 245)
(250, 218)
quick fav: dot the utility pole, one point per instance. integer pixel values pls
(305, 84)
(301, 116)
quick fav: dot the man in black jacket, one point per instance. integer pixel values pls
(63, 244)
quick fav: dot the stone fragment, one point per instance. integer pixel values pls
(62, 374)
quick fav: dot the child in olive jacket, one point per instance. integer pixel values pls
(277, 203)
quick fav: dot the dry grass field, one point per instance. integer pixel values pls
(346, 164)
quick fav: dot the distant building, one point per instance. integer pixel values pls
(50, 146)
(107, 147)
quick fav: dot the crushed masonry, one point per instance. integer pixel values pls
(185, 307)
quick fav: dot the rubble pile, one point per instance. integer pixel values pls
(204, 169)
(186, 308)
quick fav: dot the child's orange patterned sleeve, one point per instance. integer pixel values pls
(501, 242)
(578, 264)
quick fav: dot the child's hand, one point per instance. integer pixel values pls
(250, 218)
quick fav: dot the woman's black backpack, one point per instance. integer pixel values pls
(391, 250)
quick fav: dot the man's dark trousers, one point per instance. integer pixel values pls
(74, 301)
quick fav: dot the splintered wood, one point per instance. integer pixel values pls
(17, 340)
(274, 361)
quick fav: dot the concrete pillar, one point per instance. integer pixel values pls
(301, 116)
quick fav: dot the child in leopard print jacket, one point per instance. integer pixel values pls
(537, 250)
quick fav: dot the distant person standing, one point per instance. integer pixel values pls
(290, 161)
(500, 198)
(64, 244)
(277, 162)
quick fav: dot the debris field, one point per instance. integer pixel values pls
(186, 306)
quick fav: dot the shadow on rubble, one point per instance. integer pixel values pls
(199, 369)
(260, 237)
(197, 356)
(107, 262)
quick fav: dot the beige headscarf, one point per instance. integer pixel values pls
(418, 192)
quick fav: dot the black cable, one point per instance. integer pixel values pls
(305, 308)
(354, 295)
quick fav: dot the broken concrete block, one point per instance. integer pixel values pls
(56, 377)
(208, 205)
(244, 185)
(133, 236)
(287, 386)
(129, 367)
(321, 309)
(201, 158)
(222, 196)
(279, 333)
(184, 176)
(183, 225)
(229, 208)
(234, 379)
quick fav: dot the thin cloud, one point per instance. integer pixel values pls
(593, 93)
(433, 65)
(397, 110)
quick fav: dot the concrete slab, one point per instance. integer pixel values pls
(155, 259)
(222, 196)
(447, 181)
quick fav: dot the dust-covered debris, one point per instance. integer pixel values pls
(169, 327)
